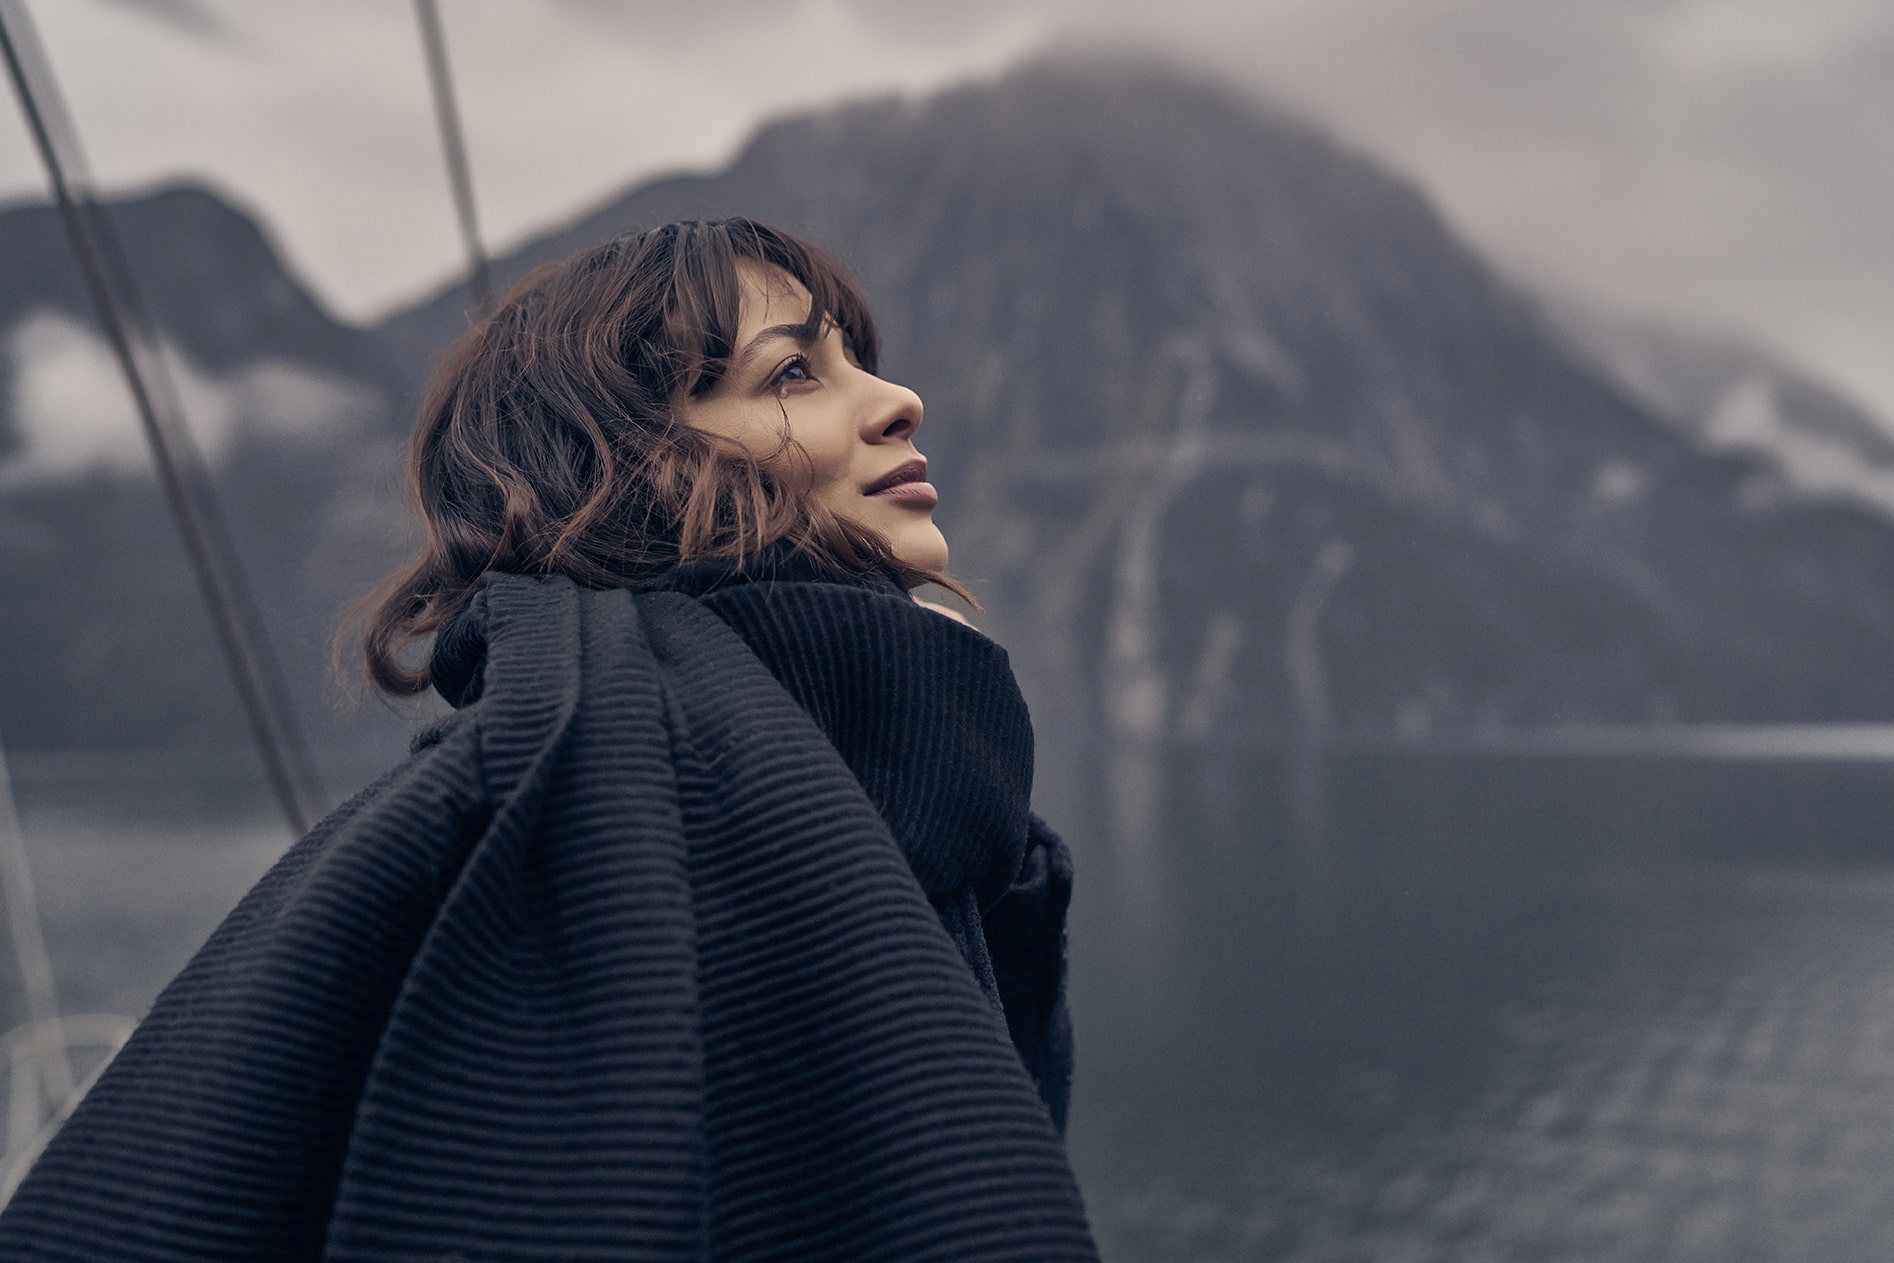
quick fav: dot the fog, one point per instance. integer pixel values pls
(1718, 159)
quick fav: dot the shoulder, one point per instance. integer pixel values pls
(954, 614)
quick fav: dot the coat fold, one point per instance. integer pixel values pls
(631, 959)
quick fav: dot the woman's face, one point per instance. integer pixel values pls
(857, 428)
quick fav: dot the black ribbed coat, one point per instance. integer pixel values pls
(712, 925)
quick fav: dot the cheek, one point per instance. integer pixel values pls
(754, 429)
(833, 477)
(839, 492)
(823, 468)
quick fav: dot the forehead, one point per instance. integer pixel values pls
(769, 296)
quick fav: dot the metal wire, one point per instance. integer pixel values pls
(454, 148)
(30, 955)
(173, 455)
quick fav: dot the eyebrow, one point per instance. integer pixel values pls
(806, 333)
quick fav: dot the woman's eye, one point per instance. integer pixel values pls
(796, 370)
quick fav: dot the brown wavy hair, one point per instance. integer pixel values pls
(548, 441)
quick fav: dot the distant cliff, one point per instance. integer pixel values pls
(1235, 438)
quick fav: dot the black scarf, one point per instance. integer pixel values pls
(624, 963)
(927, 714)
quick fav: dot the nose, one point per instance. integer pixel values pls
(894, 413)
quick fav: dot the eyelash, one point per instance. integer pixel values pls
(797, 361)
(777, 382)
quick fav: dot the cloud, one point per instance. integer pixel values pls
(72, 411)
(1720, 159)
(68, 403)
(319, 115)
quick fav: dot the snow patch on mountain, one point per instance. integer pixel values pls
(1751, 417)
(1735, 396)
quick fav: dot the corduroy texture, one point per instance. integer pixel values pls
(624, 963)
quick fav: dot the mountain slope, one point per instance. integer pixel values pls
(1236, 439)
(1178, 346)
(295, 412)
(1732, 395)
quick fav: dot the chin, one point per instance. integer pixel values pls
(920, 544)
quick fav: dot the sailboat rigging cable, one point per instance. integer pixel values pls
(246, 649)
(28, 939)
(42, 1087)
(454, 149)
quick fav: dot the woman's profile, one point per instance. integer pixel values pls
(713, 921)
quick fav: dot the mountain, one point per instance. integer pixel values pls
(211, 279)
(1734, 395)
(295, 414)
(1232, 424)
(1236, 439)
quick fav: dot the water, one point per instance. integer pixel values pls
(1475, 1006)
(1678, 1061)
(1515, 1009)
(135, 861)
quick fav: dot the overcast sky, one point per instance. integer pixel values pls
(1727, 160)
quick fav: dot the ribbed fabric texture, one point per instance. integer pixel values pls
(925, 711)
(624, 963)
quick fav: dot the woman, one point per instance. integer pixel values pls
(713, 922)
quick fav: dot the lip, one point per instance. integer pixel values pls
(906, 472)
(910, 493)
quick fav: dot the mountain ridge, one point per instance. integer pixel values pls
(1236, 437)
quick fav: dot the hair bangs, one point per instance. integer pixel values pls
(548, 440)
(705, 303)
